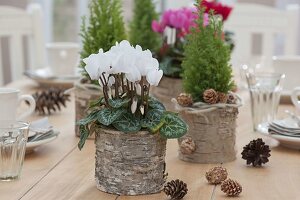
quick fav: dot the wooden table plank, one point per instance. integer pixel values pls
(73, 178)
(46, 157)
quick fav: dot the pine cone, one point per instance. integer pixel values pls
(176, 189)
(216, 175)
(222, 97)
(185, 100)
(50, 100)
(231, 188)
(231, 99)
(187, 146)
(210, 96)
(256, 152)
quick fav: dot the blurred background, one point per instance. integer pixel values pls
(61, 21)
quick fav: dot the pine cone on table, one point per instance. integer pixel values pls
(175, 189)
(185, 100)
(231, 188)
(256, 152)
(210, 96)
(50, 100)
(222, 97)
(187, 146)
(231, 99)
(216, 175)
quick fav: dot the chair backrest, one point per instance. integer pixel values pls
(17, 25)
(253, 22)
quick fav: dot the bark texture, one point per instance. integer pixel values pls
(129, 164)
(213, 133)
(83, 97)
(167, 89)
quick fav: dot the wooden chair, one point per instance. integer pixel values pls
(17, 25)
(248, 21)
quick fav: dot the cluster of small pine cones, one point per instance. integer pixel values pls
(210, 96)
(218, 175)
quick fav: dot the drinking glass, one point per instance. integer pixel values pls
(265, 89)
(13, 138)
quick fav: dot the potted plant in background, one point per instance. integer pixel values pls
(140, 27)
(174, 26)
(104, 29)
(208, 106)
(131, 127)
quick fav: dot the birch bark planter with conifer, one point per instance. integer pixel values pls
(211, 135)
(129, 163)
(84, 95)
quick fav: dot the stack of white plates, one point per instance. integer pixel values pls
(286, 131)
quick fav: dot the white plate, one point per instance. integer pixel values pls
(30, 146)
(55, 81)
(286, 141)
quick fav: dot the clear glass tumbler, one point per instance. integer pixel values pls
(265, 90)
(13, 138)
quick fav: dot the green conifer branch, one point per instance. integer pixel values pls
(206, 59)
(140, 27)
(105, 27)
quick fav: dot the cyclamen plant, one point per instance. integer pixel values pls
(180, 21)
(126, 74)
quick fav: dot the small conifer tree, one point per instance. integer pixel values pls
(105, 27)
(141, 32)
(206, 59)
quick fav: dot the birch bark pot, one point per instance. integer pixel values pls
(166, 90)
(211, 136)
(83, 96)
(129, 163)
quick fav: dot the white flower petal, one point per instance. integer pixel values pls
(134, 105)
(153, 77)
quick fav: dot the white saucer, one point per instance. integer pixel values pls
(65, 81)
(30, 146)
(286, 141)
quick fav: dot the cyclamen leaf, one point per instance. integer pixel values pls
(128, 123)
(155, 104)
(84, 134)
(95, 103)
(153, 120)
(118, 103)
(174, 126)
(88, 119)
(107, 116)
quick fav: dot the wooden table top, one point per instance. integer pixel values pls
(58, 170)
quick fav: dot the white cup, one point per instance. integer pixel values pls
(63, 57)
(10, 99)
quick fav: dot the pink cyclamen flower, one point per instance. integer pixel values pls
(156, 27)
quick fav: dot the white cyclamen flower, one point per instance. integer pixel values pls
(96, 64)
(145, 62)
(153, 77)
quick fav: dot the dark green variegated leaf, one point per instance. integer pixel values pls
(84, 134)
(153, 120)
(174, 126)
(97, 102)
(88, 119)
(107, 116)
(128, 123)
(155, 104)
(117, 103)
